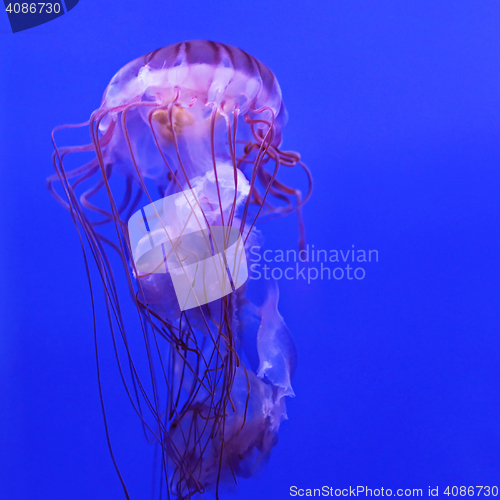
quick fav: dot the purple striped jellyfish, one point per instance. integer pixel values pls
(183, 158)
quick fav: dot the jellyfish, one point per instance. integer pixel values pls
(183, 158)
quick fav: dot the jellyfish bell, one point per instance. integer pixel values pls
(188, 94)
(186, 147)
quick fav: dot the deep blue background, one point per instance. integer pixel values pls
(395, 106)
